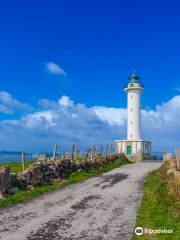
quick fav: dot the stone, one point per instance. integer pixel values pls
(1, 196)
(172, 164)
(27, 174)
(21, 182)
(177, 174)
(5, 180)
(23, 179)
(30, 188)
(178, 163)
(13, 190)
(37, 173)
(45, 172)
(171, 171)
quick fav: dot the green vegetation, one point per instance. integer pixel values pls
(159, 209)
(75, 177)
(16, 166)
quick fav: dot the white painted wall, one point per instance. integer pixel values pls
(134, 118)
(143, 146)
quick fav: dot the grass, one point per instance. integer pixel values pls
(16, 166)
(159, 209)
(22, 196)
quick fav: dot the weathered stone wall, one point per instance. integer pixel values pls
(173, 174)
(7, 181)
(44, 172)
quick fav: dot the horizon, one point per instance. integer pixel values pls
(64, 65)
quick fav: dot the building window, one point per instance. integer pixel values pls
(131, 135)
(131, 109)
(131, 122)
(131, 96)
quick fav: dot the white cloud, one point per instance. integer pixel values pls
(8, 104)
(66, 101)
(47, 104)
(64, 122)
(5, 109)
(55, 69)
(113, 116)
(45, 117)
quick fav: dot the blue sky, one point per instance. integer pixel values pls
(94, 46)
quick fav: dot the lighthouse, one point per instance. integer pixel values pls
(134, 147)
(133, 90)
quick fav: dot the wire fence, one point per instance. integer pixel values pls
(73, 153)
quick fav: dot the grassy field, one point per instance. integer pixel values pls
(16, 166)
(22, 196)
(158, 209)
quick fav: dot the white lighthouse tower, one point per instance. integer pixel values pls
(133, 90)
(134, 146)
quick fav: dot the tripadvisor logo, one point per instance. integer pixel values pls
(138, 231)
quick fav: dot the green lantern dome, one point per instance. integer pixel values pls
(133, 78)
(134, 83)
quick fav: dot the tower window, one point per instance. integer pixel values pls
(131, 96)
(131, 135)
(131, 109)
(131, 122)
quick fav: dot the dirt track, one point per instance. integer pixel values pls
(102, 207)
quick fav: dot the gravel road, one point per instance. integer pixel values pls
(103, 207)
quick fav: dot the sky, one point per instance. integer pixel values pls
(63, 66)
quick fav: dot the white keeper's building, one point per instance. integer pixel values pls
(134, 143)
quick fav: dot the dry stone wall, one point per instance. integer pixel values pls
(45, 172)
(173, 175)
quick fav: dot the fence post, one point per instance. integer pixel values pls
(91, 153)
(88, 153)
(115, 148)
(54, 152)
(72, 152)
(107, 147)
(178, 163)
(178, 158)
(94, 152)
(77, 152)
(23, 160)
(101, 149)
(30, 158)
(63, 155)
(111, 151)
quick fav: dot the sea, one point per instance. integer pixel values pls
(10, 156)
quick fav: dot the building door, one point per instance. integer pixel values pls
(129, 150)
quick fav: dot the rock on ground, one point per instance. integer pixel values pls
(7, 181)
(103, 207)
